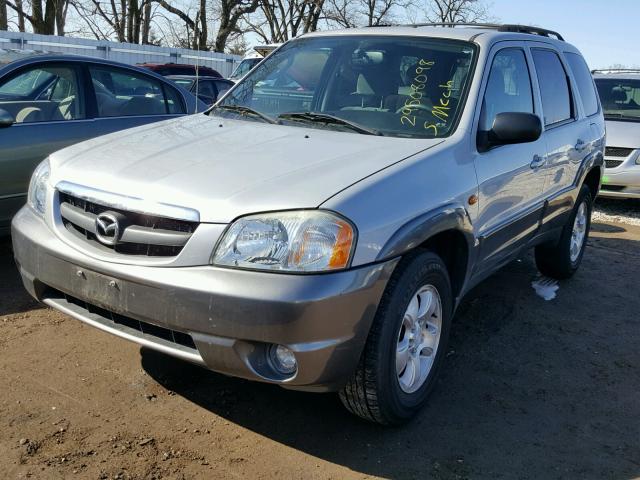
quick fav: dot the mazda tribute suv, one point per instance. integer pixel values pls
(319, 226)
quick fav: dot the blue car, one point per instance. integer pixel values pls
(48, 102)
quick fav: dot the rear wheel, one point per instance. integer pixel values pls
(562, 259)
(406, 344)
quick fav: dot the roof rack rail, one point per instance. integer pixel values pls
(616, 70)
(495, 26)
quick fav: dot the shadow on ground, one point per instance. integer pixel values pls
(13, 297)
(530, 388)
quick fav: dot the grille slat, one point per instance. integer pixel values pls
(144, 328)
(142, 234)
(617, 151)
(613, 163)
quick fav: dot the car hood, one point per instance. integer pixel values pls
(623, 134)
(227, 168)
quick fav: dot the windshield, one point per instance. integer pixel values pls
(620, 98)
(244, 67)
(396, 86)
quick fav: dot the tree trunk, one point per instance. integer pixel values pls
(61, 16)
(20, 16)
(3, 15)
(204, 32)
(146, 24)
(131, 21)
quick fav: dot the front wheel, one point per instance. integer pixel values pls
(406, 344)
(561, 260)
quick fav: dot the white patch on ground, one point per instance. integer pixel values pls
(617, 211)
(545, 287)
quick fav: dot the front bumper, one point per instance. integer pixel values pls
(223, 319)
(622, 181)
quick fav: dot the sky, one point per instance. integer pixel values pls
(607, 32)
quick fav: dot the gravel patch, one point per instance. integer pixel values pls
(617, 211)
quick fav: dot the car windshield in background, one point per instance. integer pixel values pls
(183, 82)
(393, 86)
(620, 98)
(244, 67)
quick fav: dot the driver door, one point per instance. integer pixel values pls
(510, 177)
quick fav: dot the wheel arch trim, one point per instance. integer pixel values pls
(425, 226)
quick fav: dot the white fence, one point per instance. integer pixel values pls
(120, 52)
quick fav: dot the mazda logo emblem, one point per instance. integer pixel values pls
(107, 228)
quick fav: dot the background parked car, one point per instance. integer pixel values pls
(207, 89)
(48, 102)
(620, 96)
(165, 69)
(251, 59)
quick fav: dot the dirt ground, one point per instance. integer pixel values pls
(531, 389)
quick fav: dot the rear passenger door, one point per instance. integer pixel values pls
(48, 104)
(124, 98)
(568, 134)
(511, 184)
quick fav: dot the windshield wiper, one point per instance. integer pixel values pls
(328, 119)
(242, 110)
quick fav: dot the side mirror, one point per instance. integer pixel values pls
(6, 119)
(509, 128)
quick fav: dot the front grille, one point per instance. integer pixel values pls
(617, 152)
(107, 317)
(613, 163)
(142, 234)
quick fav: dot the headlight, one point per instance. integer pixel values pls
(37, 196)
(296, 241)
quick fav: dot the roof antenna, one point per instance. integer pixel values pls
(197, 34)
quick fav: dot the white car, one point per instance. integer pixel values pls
(620, 96)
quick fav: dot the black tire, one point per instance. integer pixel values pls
(554, 260)
(374, 391)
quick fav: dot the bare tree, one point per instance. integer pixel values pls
(358, 13)
(342, 13)
(123, 20)
(44, 18)
(457, 11)
(231, 12)
(281, 20)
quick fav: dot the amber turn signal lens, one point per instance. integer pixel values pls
(342, 247)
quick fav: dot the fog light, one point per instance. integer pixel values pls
(283, 359)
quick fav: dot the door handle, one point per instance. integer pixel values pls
(580, 145)
(537, 162)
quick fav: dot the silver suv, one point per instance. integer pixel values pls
(318, 227)
(620, 96)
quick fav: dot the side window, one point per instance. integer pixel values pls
(584, 81)
(508, 88)
(175, 105)
(554, 86)
(123, 93)
(223, 87)
(43, 94)
(208, 90)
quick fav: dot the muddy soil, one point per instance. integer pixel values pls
(531, 389)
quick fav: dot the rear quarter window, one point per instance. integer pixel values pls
(554, 86)
(584, 82)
